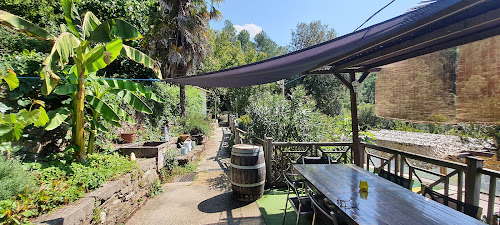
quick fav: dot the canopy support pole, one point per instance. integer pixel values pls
(356, 145)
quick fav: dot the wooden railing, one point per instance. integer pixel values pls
(458, 180)
(281, 155)
(413, 165)
(240, 136)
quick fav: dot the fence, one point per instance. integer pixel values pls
(457, 179)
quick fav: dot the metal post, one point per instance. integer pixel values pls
(268, 151)
(356, 150)
(473, 180)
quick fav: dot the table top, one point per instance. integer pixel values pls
(386, 202)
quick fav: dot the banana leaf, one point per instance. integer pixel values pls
(21, 25)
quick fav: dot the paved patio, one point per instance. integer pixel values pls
(207, 199)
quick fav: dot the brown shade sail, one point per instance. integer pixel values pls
(437, 26)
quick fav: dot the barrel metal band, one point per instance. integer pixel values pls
(248, 167)
(247, 154)
(246, 151)
(248, 185)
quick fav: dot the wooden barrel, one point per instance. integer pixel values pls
(248, 172)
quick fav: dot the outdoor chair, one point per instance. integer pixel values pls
(463, 207)
(316, 160)
(326, 213)
(401, 181)
(301, 204)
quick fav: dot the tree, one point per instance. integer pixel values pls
(265, 44)
(179, 37)
(306, 35)
(82, 48)
(244, 38)
(326, 89)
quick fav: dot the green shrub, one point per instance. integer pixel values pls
(285, 120)
(13, 179)
(366, 116)
(156, 189)
(61, 181)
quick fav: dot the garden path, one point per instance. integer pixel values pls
(207, 199)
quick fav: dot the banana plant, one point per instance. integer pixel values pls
(102, 99)
(88, 45)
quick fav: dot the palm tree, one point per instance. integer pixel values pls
(178, 38)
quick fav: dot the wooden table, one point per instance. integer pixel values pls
(386, 202)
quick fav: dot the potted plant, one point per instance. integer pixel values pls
(198, 127)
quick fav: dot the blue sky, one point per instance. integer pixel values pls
(279, 17)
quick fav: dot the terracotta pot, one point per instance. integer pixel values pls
(128, 137)
(183, 137)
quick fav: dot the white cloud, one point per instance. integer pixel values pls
(251, 28)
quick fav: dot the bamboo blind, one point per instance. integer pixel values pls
(421, 88)
(478, 82)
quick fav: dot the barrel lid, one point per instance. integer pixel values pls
(246, 147)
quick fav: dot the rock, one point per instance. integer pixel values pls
(132, 157)
(74, 213)
(103, 217)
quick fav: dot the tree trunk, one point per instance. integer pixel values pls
(93, 132)
(182, 97)
(79, 138)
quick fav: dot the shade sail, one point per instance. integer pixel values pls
(437, 26)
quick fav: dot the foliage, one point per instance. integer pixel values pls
(14, 179)
(168, 175)
(366, 116)
(156, 189)
(197, 125)
(244, 121)
(239, 98)
(285, 120)
(367, 94)
(306, 35)
(91, 46)
(327, 90)
(136, 11)
(62, 180)
(265, 44)
(178, 37)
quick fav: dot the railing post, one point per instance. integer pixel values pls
(268, 151)
(237, 139)
(491, 200)
(473, 180)
(363, 152)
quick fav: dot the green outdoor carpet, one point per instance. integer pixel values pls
(271, 207)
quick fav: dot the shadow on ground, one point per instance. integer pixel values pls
(221, 203)
(220, 183)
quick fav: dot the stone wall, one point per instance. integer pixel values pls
(113, 203)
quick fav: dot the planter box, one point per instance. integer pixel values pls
(147, 150)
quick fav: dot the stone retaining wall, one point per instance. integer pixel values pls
(113, 203)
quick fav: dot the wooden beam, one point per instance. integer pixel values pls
(349, 70)
(446, 36)
(343, 80)
(363, 77)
